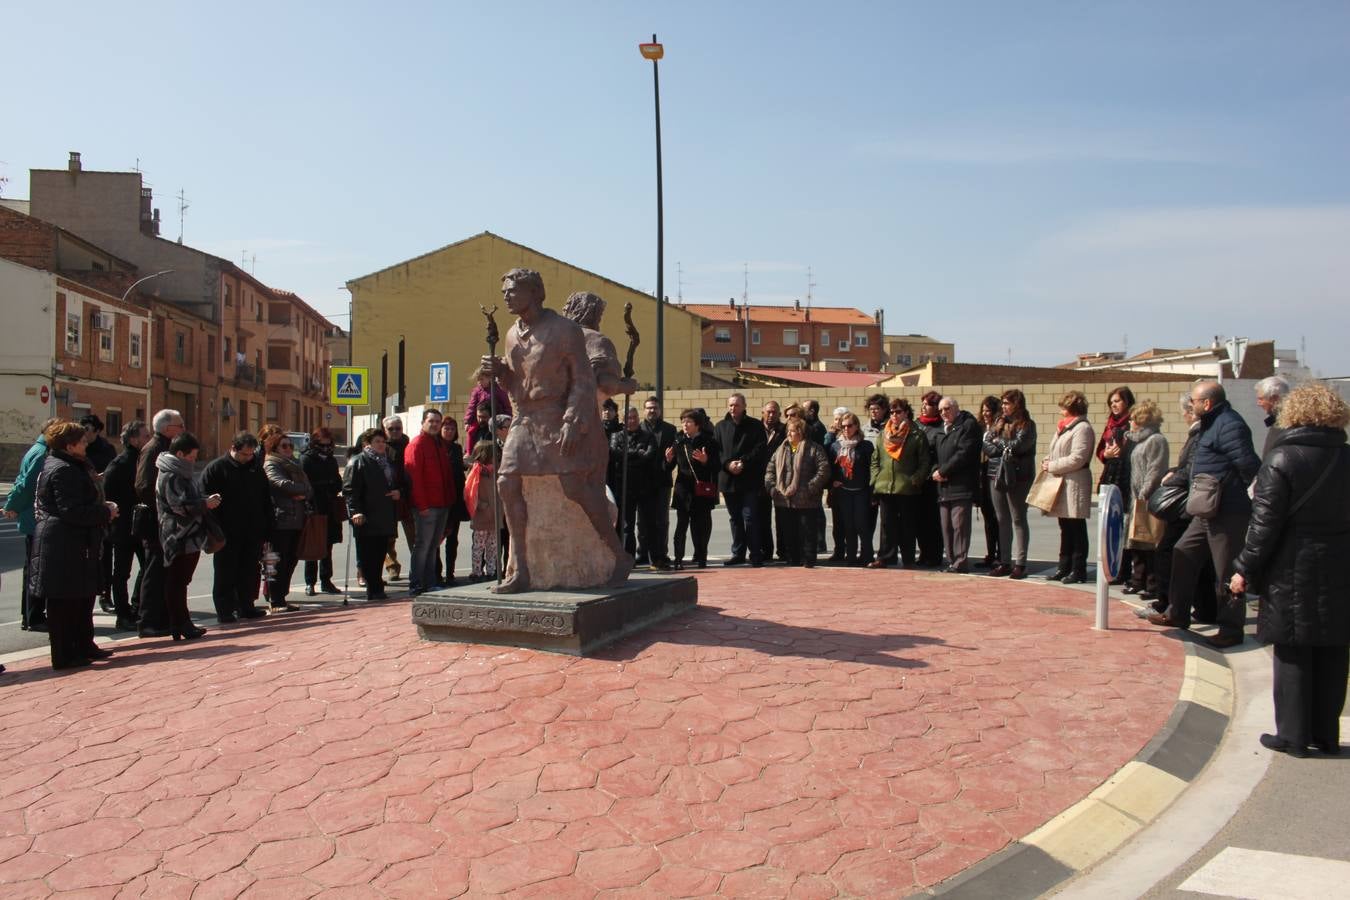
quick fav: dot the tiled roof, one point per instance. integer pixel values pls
(822, 315)
(819, 379)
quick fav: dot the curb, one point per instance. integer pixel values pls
(1096, 826)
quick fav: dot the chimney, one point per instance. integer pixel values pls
(74, 165)
(797, 305)
(155, 223)
(147, 214)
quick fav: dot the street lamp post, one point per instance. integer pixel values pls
(654, 52)
(141, 281)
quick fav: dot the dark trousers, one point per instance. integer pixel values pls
(1310, 693)
(851, 508)
(800, 533)
(954, 516)
(654, 523)
(1073, 546)
(286, 544)
(370, 552)
(1010, 515)
(1143, 574)
(770, 528)
(105, 571)
(449, 555)
(873, 516)
(695, 519)
(237, 573)
(743, 508)
(899, 517)
(124, 552)
(319, 569)
(1203, 606)
(32, 608)
(177, 577)
(70, 629)
(930, 526)
(1218, 539)
(994, 552)
(153, 614)
(628, 524)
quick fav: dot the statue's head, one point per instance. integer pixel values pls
(522, 288)
(585, 309)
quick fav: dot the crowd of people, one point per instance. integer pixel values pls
(891, 489)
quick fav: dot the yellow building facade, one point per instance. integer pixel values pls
(432, 302)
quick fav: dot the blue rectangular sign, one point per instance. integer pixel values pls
(440, 382)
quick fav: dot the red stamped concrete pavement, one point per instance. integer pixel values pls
(841, 732)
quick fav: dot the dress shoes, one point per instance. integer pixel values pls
(105, 603)
(330, 588)
(74, 663)
(96, 652)
(734, 561)
(1060, 575)
(1018, 573)
(1225, 641)
(1162, 620)
(252, 613)
(226, 618)
(1280, 745)
(1130, 589)
(1328, 748)
(153, 632)
(661, 565)
(309, 590)
(1074, 578)
(877, 564)
(1148, 595)
(126, 623)
(1000, 571)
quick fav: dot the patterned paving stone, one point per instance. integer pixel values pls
(866, 741)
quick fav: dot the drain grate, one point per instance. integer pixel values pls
(1061, 611)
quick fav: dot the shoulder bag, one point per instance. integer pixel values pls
(705, 489)
(1168, 500)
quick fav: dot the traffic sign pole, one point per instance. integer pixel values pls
(1110, 544)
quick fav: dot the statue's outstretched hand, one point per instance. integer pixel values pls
(569, 438)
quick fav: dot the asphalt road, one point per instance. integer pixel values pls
(1044, 547)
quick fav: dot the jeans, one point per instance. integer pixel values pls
(1010, 508)
(430, 532)
(743, 508)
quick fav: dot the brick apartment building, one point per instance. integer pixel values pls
(790, 337)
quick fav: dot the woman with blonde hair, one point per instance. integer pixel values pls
(1069, 457)
(1296, 547)
(1148, 456)
(795, 479)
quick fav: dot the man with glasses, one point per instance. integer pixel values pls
(654, 514)
(119, 486)
(741, 441)
(1223, 451)
(168, 424)
(956, 472)
(396, 443)
(245, 515)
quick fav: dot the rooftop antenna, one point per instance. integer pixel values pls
(745, 292)
(1010, 356)
(679, 275)
(182, 208)
(810, 286)
(1125, 344)
(137, 168)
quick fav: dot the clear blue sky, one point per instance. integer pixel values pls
(1034, 179)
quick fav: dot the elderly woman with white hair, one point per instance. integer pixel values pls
(1148, 464)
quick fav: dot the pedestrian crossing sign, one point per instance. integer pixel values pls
(349, 385)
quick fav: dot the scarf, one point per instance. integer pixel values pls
(844, 455)
(382, 461)
(930, 420)
(1116, 426)
(790, 476)
(896, 438)
(1065, 423)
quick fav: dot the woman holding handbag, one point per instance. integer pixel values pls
(1069, 457)
(1148, 464)
(185, 529)
(695, 491)
(321, 469)
(1010, 446)
(291, 493)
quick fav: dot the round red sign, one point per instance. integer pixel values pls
(43, 394)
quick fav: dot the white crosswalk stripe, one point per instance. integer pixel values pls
(1263, 875)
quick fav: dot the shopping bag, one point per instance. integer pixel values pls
(1145, 528)
(1044, 492)
(313, 544)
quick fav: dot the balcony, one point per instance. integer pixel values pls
(284, 378)
(284, 332)
(250, 376)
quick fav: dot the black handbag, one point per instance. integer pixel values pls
(1168, 500)
(1006, 477)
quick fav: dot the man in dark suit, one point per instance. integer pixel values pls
(654, 513)
(741, 441)
(119, 486)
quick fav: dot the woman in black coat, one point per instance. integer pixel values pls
(445, 571)
(851, 489)
(71, 518)
(1297, 544)
(696, 461)
(321, 469)
(372, 504)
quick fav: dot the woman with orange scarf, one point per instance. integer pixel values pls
(900, 464)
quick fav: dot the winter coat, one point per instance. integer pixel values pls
(1070, 455)
(480, 396)
(773, 438)
(428, 469)
(1148, 462)
(455, 453)
(20, 499)
(862, 467)
(119, 486)
(1298, 563)
(958, 459)
(68, 536)
(745, 441)
(365, 487)
(906, 476)
(815, 477)
(482, 517)
(147, 476)
(245, 513)
(1273, 433)
(663, 435)
(1019, 444)
(324, 478)
(688, 470)
(641, 453)
(816, 431)
(286, 479)
(181, 506)
(1115, 469)
(100, 453)
(1224, 450)
(930, 430)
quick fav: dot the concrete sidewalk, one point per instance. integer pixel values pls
(847, 732)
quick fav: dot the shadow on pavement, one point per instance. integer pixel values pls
(710, 626)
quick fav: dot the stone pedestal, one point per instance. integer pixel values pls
(572, 621)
